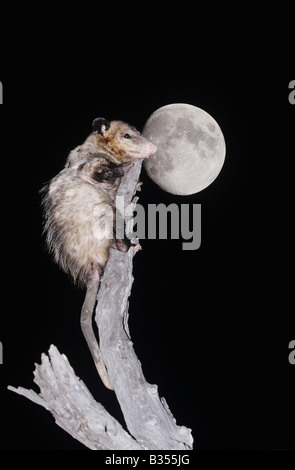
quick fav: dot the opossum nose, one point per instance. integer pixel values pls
(152, 149)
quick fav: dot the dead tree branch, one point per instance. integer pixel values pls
(148, 418)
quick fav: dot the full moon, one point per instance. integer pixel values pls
(191, 148)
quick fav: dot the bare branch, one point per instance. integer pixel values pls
(73, 407)
(147, 416)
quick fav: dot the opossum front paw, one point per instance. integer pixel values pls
(123, 244)
(137, 247)
(125, 167)
(138, 185)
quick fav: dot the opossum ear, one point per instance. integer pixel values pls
(100, 125)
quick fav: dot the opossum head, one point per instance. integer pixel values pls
(122, 142)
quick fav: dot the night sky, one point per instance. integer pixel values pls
(211, 327)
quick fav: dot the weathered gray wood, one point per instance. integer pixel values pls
(73, 407)
(147, 416)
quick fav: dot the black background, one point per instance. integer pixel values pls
(211, 327)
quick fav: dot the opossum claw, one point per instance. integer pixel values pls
(125, 167)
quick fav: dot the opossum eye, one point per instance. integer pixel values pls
(127, 136)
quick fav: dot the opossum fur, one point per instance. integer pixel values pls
(79, 211)
(79, 203)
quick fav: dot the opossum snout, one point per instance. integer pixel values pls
(153, 148)
(147, 149)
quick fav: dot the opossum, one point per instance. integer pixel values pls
(79, 211)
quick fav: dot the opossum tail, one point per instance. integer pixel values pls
(86, 325)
